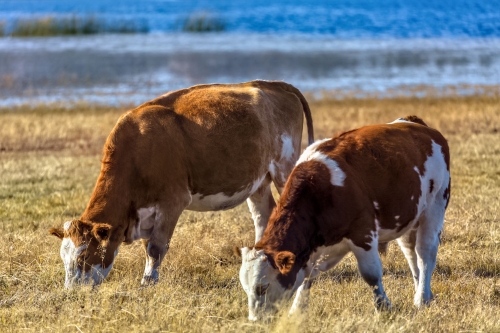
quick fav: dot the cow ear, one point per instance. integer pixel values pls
(58, 232)
(101, 232)
(284, 261)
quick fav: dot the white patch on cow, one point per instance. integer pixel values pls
(286, 147)
(375, 204)
(69, 255)
(67, 225)
(272, 169)
(310, 150)
(396, 217)
(148, 217)
(401, 120)
(337, 175)
(221, 201)
(412, 198)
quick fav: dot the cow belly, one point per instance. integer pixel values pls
(222, 201)
(219, 201)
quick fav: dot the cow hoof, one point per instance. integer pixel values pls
(149, 280)
(383, 305)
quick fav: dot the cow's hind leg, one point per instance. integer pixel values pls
(407, 243)
(261, 204)
(370, 268)
(427, 242)
(157, 245)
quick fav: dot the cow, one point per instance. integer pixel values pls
(203, 148)
(348, 194)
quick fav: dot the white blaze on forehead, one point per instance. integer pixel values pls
(286, 147)
(337, 175)
(375, 204)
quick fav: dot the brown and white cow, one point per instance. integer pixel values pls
(204, 148)
(370, 185)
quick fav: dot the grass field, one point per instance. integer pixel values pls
(49, 162)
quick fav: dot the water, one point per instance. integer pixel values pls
(348, 46)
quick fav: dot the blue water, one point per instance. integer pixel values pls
(339, 19)
(352, 47)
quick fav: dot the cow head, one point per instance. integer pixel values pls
(86, 251)
(266, 282)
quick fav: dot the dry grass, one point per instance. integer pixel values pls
(49, 161)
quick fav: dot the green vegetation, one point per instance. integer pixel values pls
(74, 25)
(50, 160)
(203, 22)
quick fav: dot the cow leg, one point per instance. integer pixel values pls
(330, 257)
(370, 268)
(261, 204)
(407, 244)
(157, 245)
(427, 243)
(301, 299)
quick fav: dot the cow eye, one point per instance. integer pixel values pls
(261, 289)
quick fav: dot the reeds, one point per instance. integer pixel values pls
(73, 25)
(203, 22)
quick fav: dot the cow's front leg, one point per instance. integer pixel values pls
(157, 245)
(301, 300)
(154, 256)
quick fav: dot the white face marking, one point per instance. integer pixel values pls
(220, 201)
(375, 204)
(337, 175)
(287, 147)
(69, 255)
(396, 217)
(257, 274)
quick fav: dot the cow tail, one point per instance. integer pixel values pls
(307, 111)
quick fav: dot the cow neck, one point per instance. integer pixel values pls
(110, 201)
(292, 231)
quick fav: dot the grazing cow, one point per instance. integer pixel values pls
(370, 185)
(204, 148)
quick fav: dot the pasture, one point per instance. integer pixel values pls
(50, 160)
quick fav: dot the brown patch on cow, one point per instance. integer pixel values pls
(379, 163)
(431, 186)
